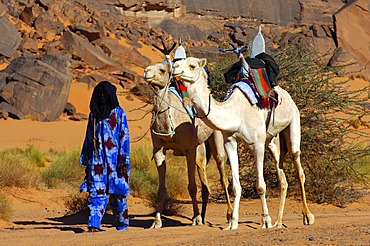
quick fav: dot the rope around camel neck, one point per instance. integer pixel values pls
(172, 132)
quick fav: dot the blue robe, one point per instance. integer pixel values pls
(106, 155)
(111, 161)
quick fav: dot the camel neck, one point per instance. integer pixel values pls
(161, 120)
(161, 101)
(214, 113)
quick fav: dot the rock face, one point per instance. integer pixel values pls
(330, 27)
(92, 55)
(37, 86)
(11, 41)
(353, 20)
(101, 39)
(279, 12)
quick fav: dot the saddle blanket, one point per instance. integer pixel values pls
(246, 89)
(250, 92)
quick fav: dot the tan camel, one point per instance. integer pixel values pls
(173, 129)
(237, 118)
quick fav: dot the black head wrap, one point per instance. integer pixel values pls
(103, 100)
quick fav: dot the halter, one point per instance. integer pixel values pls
(172, 127)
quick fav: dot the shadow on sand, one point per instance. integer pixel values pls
(78, 221)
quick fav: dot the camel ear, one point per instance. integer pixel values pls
(202, 62)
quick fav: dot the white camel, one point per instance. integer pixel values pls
(237, 118)
(173, 129)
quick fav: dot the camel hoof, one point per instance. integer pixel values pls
(197, 220)
(308, 219)
(156, 224)
(266, 222)
(278, 225)
(233, 225)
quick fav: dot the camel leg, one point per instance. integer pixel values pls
(192, 187)
(160, 161)
(295, 152)
(279, 158)
(216, 143)
(259, 151)
(231, 147)
(308, 217)
(201, 161)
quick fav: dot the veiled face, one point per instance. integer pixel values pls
(157, 75)
(189, 70)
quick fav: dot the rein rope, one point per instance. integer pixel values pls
(209, 109)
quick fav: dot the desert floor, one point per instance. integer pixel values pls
(40, 216)
(40, 220)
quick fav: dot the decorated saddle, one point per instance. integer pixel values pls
(257, 92)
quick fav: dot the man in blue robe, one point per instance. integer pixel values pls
(106, 155)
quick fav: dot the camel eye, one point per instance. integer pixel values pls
(192, 67)
(162, 70)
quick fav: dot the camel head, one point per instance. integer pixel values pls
(157, 75)
(190, 69)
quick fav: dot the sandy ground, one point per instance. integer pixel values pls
(40, 216)
(40, 220)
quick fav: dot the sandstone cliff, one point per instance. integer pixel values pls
(102, 39)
